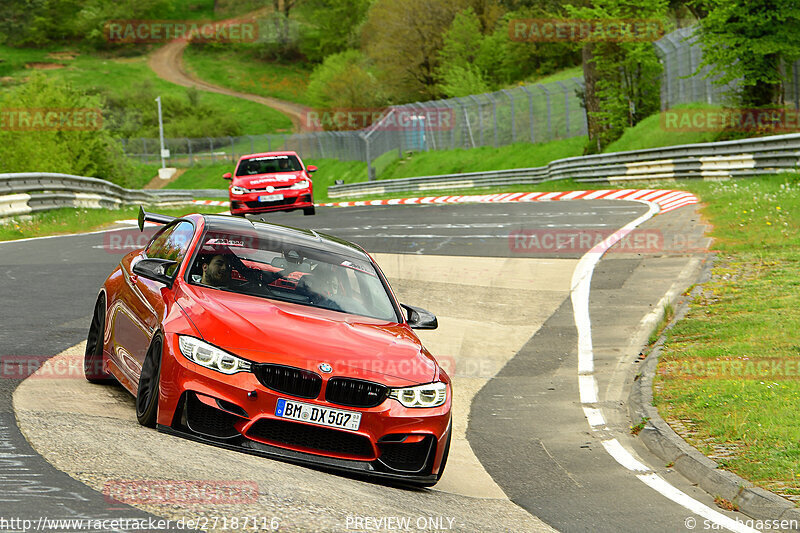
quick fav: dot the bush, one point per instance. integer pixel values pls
(83, 153)
(133, 113)
(345, 80)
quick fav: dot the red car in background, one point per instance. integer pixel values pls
(271, 181)
(274, 341)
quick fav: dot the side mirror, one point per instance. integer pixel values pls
(419, 318)
(311, 168)
(227, 176)
(155, 269)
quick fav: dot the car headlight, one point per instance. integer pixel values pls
(300, 185)
(209, 356)
(430, 395)
(239, 190)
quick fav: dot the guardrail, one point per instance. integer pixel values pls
(32, 192)
(719, 160)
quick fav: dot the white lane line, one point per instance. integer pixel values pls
(588, 389)
(594, 416)
(587, 384)
(624, 457)
(657, 483)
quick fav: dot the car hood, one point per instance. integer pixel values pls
(262, 181)
(269, 331)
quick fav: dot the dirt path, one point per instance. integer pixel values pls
(158, 183)
(167, 63)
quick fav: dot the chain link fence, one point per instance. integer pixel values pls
(527, 113)
(681, 54)
(533, 113)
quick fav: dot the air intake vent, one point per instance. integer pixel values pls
(289, 380)
(355, 392)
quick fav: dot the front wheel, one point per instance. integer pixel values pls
(309, 210)
(93, 357)
(147, 392)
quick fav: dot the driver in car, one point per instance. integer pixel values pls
(216, 271)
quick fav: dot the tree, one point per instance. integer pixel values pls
(345, 80)
(50, 148)
(621, 76)
(404, 37)
(333, 26)
(751, 41)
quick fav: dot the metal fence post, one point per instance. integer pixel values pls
(530, 110)
(796, 85)
(370, 168)
(549, 112)
(566, 107)
(513, 125)
(494, 115)
(480, 119)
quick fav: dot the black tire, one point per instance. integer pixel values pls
(147, 392)
(93, 357)
(309, 210)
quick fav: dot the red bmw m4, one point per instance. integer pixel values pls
(275, 341)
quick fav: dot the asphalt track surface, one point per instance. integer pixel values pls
(526, 424)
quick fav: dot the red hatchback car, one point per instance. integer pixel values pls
(272, 181)
(275, 341)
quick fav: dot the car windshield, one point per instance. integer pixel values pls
(277, 268)
(268, 165)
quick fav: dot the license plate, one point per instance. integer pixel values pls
(270, 198)
(314, 414)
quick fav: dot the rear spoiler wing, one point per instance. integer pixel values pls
(144, 216)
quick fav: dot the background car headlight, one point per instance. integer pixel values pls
(209, 356)
(430, 395)
(239, 190)
(300, 185)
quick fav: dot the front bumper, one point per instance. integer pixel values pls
(238, 412)
(292, 199)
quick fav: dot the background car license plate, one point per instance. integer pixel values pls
(270, 198)
(315, 414)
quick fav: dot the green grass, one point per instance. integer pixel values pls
(72, 220)
(561, 75)
(142, 174)
(92, 73)
(520, 155)
(15, 59)
(235, 68)
(649, 133)
(749, 311)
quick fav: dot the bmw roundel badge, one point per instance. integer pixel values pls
(326, 368)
